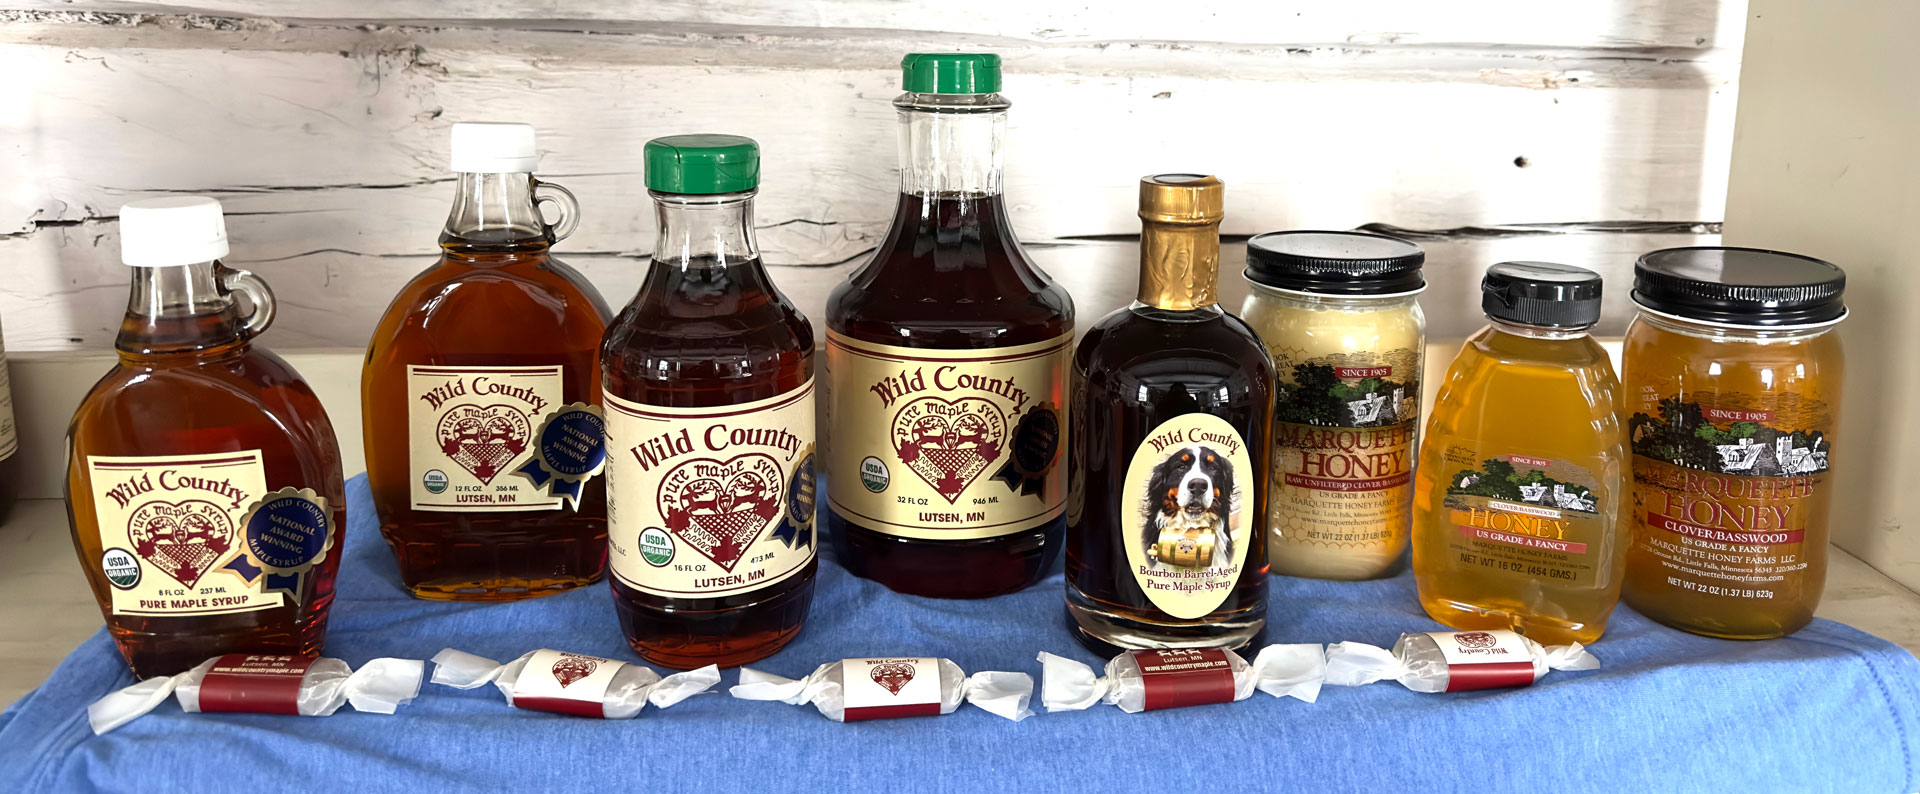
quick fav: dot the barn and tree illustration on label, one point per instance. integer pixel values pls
(1190, 483)
(1524, 515)
(1344, 429)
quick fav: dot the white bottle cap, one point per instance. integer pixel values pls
(172, 232)
(486, 147)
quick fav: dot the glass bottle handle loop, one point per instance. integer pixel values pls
(259, 297)
(569, 208)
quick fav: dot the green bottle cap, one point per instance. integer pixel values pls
(702, 164)
(950, 73)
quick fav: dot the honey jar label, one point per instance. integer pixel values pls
(1526, 517)
(704, 502)
(1484, 659)
(886, 688)
(246, 683)
(172, 533)
(1344, 430)
(947, 444)
(565, 683)
(1726, 492)
(1189, 500)
(9, 437)
(471, 429)
(1172, 678)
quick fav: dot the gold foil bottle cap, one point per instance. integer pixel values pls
(1180, 240)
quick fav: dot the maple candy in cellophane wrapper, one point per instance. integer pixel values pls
(246, 683)
(570, 683)
(1454, 661)
(851, 690)
(1147, 680)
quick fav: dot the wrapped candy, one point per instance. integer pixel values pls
(569, 683)
(266, 684)
(851, 690)
(1170, 678)
(1454, 661)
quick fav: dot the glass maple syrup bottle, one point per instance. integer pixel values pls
(947, 355)
(203, 478)
(1522, 467)
(710, 425)
(1167, 474)
(475, 376)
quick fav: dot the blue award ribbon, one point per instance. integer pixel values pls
(283, 536)
(568, 450)
(796, 523)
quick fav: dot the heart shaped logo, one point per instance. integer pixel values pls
(892, 675)
(483, 439)
(720, 507)
(572, 668)
(1475, 639)
(949, 442)
(182, 539)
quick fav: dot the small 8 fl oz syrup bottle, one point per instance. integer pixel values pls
(203, 479)
(1167, 475)
(710, 425)
(947, 354)
(481, 379)
(1523, 467)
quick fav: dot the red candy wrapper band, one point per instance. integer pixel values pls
(569, 683)
(851, 690)
(267, 684)
(1454, 661)
(1171, 678)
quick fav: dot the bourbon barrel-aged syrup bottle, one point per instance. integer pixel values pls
(947, 358)
(709, 385)
(1167, 472)
(479, 381)
(203, 478)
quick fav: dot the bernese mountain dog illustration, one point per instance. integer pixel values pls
(1193, 489)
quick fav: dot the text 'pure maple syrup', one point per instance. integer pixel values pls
(1167, 477)
(710, 424)
(947, 355)
(203, 478)
(1522, 468)
(480, 379)
(1734, 373)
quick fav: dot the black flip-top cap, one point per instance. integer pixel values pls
(1740, 286)
(1541, 293)
(1335, 263)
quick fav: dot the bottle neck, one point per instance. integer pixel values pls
(494, 213)
(950, 144)
(1179, 265)
(180, 309)
(1537, 331)
(704, 231)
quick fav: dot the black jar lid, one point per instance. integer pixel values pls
(1335, 263)
(1740, 286)
(1541, 293)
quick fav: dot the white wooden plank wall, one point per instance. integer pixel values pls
(1578, 131)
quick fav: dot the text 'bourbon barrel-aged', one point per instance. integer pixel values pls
(947, 356)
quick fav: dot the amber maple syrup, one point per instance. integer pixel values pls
(710, 424)
(180, 456)
(472, 358)
(947, 355)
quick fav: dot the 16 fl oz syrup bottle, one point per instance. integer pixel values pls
(947, 355)
(709, 393)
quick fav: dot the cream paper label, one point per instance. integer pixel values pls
(9, 439)
(947, 444)
(170, 532)
(879, 688)
(556, 675)
(705, 502)
(1190, 486)
(470, 428)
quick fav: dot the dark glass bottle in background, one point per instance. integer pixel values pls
(710, 425)
(1167, 476)
(947, 357)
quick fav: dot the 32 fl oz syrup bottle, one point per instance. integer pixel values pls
(479, 366)
(947, 355)
(710, 425)
(203, 478)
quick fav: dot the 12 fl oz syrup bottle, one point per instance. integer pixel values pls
(947, 355)
(710, 426)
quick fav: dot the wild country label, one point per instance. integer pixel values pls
(1344, 428)
(469, 427)
(170, 531)
(947, 444)
(1531, 517)
(1730, 490)
(703, 502)
(1188, 484)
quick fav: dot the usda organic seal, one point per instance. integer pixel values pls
(435, 481)
(656, 546)
(873, 474)
(121, 567)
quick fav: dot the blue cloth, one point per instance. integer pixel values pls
(1829, 709)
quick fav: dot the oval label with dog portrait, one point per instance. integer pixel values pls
(1189, 495)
